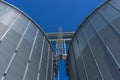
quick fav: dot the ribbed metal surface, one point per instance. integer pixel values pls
(25, 53)
(94, 53)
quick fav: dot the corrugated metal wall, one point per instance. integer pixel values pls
(25, 53)
(94, 53)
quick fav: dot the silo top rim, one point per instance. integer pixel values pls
(4, 2)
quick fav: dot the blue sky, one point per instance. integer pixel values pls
(50, 14)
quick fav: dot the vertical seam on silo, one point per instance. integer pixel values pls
(72, 67)
(40, 58)
(23, 36)
(47, 62)
(109, 3)
(52, 67)
(31, 52)
(75, 59)
(107, 20)
(93, 56)
(9, 27)
(86, 76)
(105, 45)
(4, 10)
(113, 57)
(14, 54)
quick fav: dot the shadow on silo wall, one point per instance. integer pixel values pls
(25, 53)
(94, 53)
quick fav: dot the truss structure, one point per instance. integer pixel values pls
(60, 40)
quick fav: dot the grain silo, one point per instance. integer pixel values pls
(94, 53)
(25, 52)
